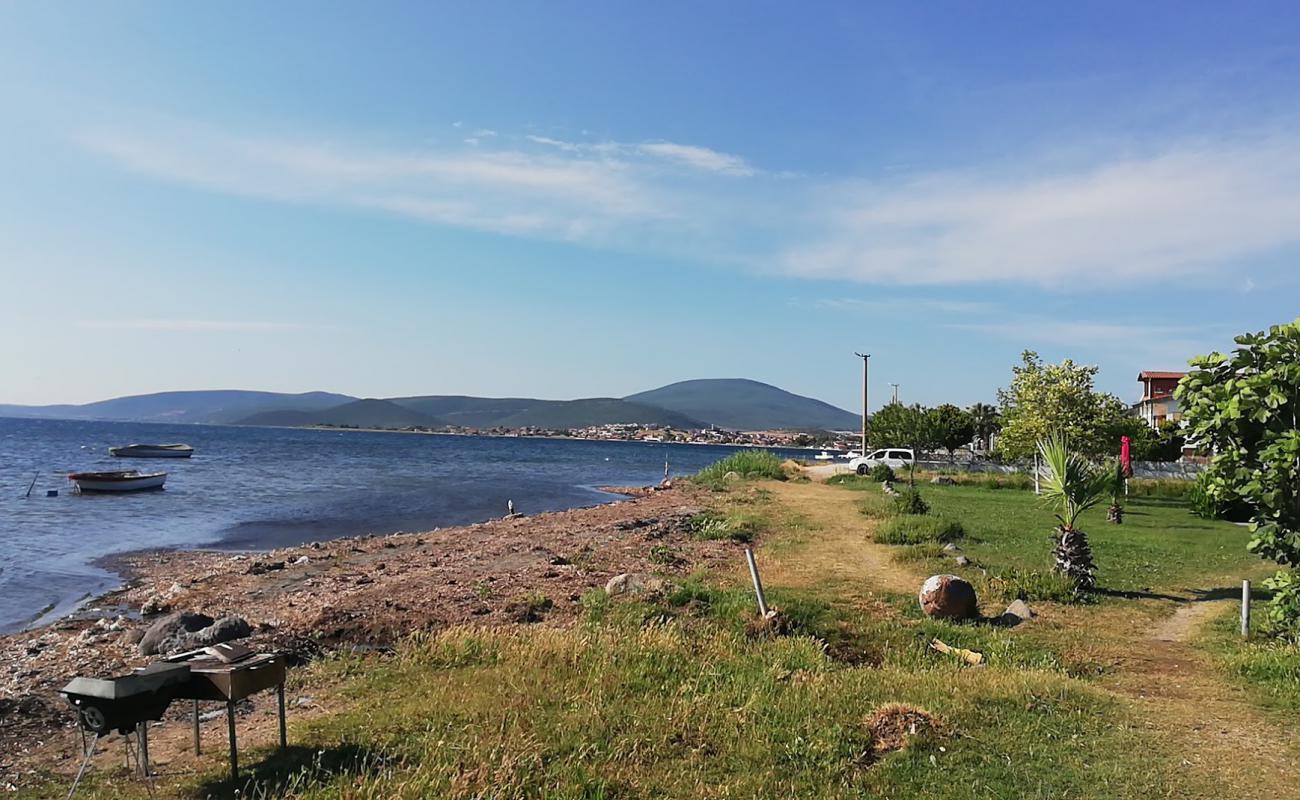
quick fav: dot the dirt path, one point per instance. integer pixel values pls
(1187, 699)
(1181, 697)
(837, 546)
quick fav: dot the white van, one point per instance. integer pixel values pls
(893, 457)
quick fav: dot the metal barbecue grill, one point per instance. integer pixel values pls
(127, 703)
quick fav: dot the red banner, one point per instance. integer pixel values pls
(1125, 459)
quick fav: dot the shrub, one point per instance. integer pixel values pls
(1031, 585)
(1160, 487)
(715, 526)
(762, 464)
(909, 529)
(909, 501)
(926, 551)
(881, 473)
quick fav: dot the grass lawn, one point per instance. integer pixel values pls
(688, 694)
(1160, 547)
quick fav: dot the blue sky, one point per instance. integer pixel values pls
(575, 199)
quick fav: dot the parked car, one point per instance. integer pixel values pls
(893, 457)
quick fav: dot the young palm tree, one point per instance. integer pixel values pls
(1115, 513)
(1074, 486)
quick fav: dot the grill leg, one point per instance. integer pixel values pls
(284, 734)
(234, 746)
(142, 733)
(197, 745)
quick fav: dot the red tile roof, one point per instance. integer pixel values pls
(1149, 375)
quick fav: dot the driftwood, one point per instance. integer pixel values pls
(969, 656)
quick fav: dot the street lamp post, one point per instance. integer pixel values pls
(866, 358)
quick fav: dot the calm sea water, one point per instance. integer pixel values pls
(256, 488)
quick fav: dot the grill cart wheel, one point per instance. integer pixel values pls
(92, 719)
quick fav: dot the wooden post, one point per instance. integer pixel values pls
(1245, 608)
(758, 584)
(284, 734)
(197, 745)
(234, 746)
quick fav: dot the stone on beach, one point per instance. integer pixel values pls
(635, 583)
(170, 630)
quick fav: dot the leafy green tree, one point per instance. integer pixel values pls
(986, 421)
(1074, 486)
(1245, 408)
(897, 425)
(951, 427)
(1048, 399)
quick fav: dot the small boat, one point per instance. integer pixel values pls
(823, 456)
(153, 451)
(853, 454)
(125, 481)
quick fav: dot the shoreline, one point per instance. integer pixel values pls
(120, 564)
(353, 593)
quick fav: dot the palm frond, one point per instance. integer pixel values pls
(1068, 480)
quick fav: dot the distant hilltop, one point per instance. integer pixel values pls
(730, 403)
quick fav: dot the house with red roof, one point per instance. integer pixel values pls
(1158, 403)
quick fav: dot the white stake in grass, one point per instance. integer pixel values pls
(758, 583)
(1245, 608)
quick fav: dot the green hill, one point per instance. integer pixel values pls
(741, 404)
(203, 406)
(470, 412)
(359, 413)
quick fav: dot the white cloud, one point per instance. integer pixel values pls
(498, 190)
(1189, 208)
(904, 306)
(185, 325)
(1140, 345)
(701, 158)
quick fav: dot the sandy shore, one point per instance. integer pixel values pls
(365, 592)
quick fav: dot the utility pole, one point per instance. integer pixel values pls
(866, 358)
(895, 392)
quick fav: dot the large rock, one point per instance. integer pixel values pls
(635, 583)
(1016, 613)
(948, 597)
(167, 634)
(226, 629)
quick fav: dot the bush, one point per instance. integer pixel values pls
(716, 526)
(1160, 487)
(1202, 504)
(881, 473)
(1207, 507)
(909, 529)
(746, 463)
(909, 501)
(1029, 586)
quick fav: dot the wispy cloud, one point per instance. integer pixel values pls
(1188, 208)
(1155, 346)
(904, 305)
(701, 158)
(500, 190)
(207, 325)
(1185, 209)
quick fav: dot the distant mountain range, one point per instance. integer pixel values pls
(731, 403)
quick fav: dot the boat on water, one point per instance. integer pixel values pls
(153, 451)
(123, 481)
(824, 456)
